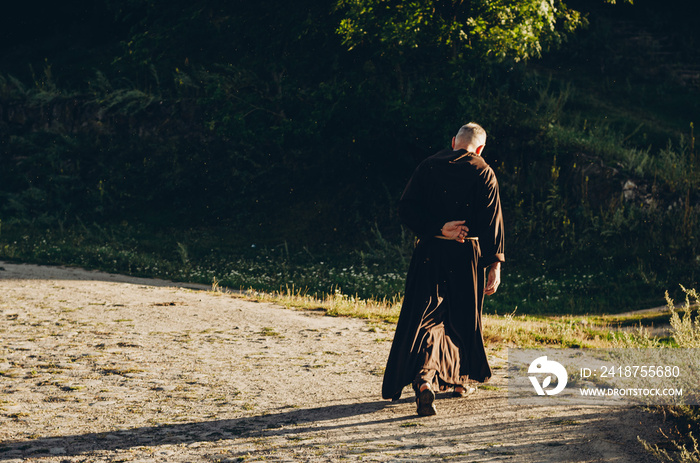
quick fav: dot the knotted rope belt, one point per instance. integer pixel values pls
(472, 238)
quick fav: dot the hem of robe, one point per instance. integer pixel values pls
(466, 352)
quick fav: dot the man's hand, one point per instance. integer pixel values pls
(493, 279)
(455, 230)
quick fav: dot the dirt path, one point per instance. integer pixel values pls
(97, 367)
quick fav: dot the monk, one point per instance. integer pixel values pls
(453, 205)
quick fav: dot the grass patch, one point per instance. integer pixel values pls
(682, 445)
(489, 387)
(514, 330)
(72, 388)
(120, 371)
(526, 331)
(127, 344)
(336, 304)
(410, 424)
(267, 331)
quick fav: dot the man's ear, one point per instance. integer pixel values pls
(453, 142)
(479, 149)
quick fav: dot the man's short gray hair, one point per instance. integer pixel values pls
(471, 134)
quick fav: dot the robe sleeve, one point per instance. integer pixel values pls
(414, 206)
(490, 219)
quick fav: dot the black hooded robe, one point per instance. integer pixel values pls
(439, 328)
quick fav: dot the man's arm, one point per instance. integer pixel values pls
(493, 279)
(490, 217)
(493, 242)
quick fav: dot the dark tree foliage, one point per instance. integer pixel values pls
(502, 29)
(227, 108)
(255, 112)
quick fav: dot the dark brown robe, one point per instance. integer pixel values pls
(439, 337)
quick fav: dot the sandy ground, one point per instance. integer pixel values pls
(97, 367)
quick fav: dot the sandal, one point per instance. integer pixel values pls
(424, 402)
(463, 391)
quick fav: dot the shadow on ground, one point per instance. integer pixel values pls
(346, 429)
(189, 433)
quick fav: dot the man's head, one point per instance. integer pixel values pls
(471, 137)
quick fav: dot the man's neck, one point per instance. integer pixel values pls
(469, 150)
